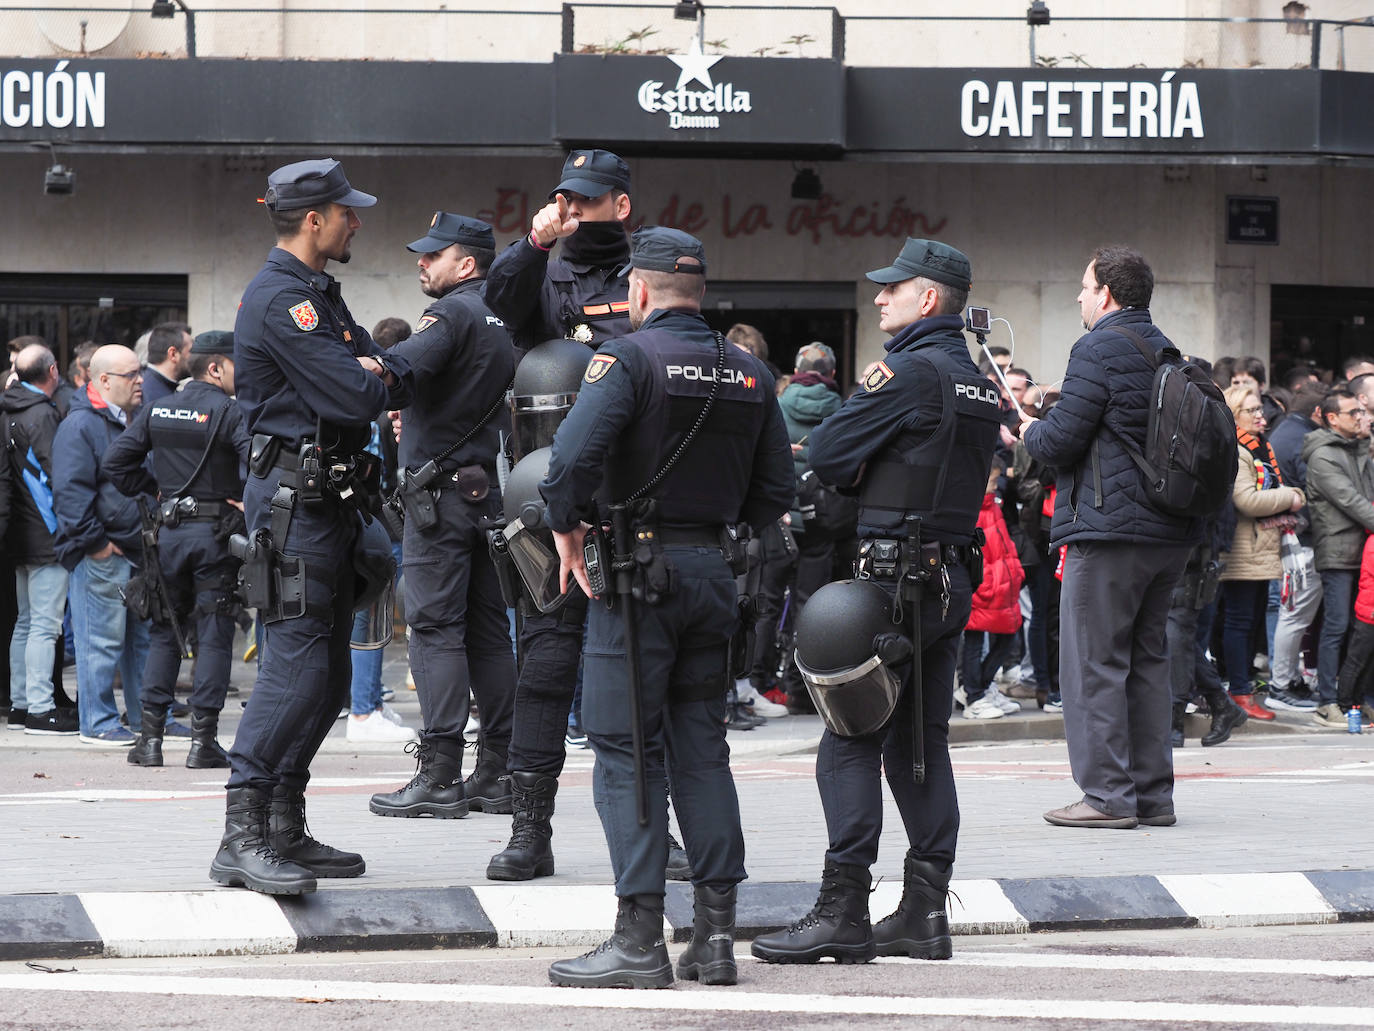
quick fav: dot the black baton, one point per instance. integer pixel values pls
(623, 564)
(913, 590)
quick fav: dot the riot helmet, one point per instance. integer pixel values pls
(846, 645)
(528, 540)
(544, 389)
(374, 567)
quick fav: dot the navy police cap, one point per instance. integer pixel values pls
(660, 249)
(592, 173)
(213, 341)
(309, 184)
(929, 259)
(446, 229)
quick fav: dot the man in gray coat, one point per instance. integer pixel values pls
(1124, 557)
(1340, 486)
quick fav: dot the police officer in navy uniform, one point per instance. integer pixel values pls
(199, 443)
(639, 398)
(310, 381)
(460, 644)
(579, 294)
(917, 440)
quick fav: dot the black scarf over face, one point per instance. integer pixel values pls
(598, 244)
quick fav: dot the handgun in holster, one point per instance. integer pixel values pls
(512, 587)
(417, 496)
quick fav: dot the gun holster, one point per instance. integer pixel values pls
(734, 547)
(512, 588)
(743, 641)
(655, 576)
(269, 581)
(417, 496)
(140, 597)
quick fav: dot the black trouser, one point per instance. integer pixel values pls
(847, 768)
(550, 650)
(306, 666)
(977, 670)
(776, 570)
(1188, 631)
(200, 580)
(1354, 683)
(459, 634)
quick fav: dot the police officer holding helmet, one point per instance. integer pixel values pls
(915, 444)
(641, 433)
(461, 356)
(198, 442)
(310, 381)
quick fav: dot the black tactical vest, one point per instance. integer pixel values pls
(940, 476)
(593, 307)
(179, 426)
(709, 483)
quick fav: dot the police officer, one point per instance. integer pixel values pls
(461, 356)
(625, 437)
(310, 381)
(198, 441)
(577, 295)
(916, 441)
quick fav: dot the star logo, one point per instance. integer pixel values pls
(696, 66)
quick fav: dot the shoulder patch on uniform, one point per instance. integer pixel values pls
(598, 367)
(425, 322)
(877, 376)
(304, 315)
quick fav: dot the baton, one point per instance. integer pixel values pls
(622, 563)
(914, 588)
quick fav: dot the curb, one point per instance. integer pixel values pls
(232, 922)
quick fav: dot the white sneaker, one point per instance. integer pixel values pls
(983, 709)
(1007, 705)
(376, 727)
(764, 707)
(960, 699)
(391, 714)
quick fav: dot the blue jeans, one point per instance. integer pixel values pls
(1241, 598)
(41, 592)
(367, 671)
(1338, 597)
(106, 641)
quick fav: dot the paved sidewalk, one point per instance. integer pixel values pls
(101, 856)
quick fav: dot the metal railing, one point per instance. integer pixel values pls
(198, 29)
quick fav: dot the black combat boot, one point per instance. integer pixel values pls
(435, 790)
(205, 752)
(633, 957)
(289, 838)
(147, 750)
(837, 925)
(245, 859)
(1176, 732)
(528, 855)
(1226, 717)
(488, 788)
(679, 866)
(919, 928)
(710, 958)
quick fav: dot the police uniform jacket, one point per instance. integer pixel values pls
(921, 433)
(542, 298)
(296, 347)
(639, 397)
(176, 429)
(31, 420)
(1101, 494)
(462, 360)
(91, 512)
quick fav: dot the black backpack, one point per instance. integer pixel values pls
(1190, 455)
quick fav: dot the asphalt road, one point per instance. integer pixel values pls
(1255, 977)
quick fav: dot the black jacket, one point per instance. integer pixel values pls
(1101, 492)
(31, 420)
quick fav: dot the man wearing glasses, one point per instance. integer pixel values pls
(1340, 486)
(98, 541)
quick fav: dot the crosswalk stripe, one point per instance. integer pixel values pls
(690, 1000)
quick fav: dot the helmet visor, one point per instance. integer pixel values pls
(535, 419)
(537, 565)
(856, 701)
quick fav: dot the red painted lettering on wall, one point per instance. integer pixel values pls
(692, 220)
(871, 220)
(512, 211)
(755, 218)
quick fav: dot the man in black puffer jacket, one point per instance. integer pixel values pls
(1124, 557)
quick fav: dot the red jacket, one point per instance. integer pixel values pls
(1364, 598)
(997, 602)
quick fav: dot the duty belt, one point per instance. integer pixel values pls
(689, 536)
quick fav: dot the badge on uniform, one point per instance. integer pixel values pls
(582, 333)
(425, 322)
(877, 376)
(598, 367)
(304, 315)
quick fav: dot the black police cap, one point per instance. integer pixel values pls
(929, 259)
(660, 249)
(213, 341)
(446, 229)
(592, 173)
(309, 184)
